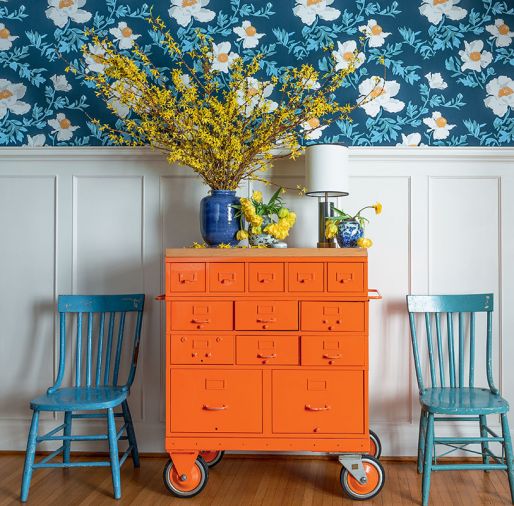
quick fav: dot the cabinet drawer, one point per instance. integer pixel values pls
(333, 350)
(305, 277)
(267, 349)
(334, 316)
(226, 277)
(187, 315)
(266, 315)
(185, 277)
(216, 401)
(266, 277)
(201, 349)
(345, 277)
(322, 402)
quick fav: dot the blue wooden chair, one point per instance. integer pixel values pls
(100, 323)
(460, 400)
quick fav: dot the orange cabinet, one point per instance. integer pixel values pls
(200, 315)
(266, 276)
(216, 401)
(334, 350)
(201, 349)
(185, 277)
(266, 350)
(333, 316)
(345, 277)
(266, 315)
(306, 276)
(319, 402)
(226, 277)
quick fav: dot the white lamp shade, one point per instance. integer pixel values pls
(326, 170)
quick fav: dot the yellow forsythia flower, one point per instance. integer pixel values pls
(364, 242)
(378, 208)
(224, 246)
(257, 196)
(241, 234)
(330, 229)
(198, 245)
(256, 230)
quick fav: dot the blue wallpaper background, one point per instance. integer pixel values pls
(450, 63)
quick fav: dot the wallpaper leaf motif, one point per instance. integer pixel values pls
(449, 80)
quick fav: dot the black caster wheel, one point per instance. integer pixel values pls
(364, 491)
(186, 486)
(375, 445)
(212, 457)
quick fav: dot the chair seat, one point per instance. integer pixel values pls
(80, 398)
(463, 401)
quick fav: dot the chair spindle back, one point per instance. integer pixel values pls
(104, 341)
(435, 308)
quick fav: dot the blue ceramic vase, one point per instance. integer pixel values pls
(218, 222)
(349, 232)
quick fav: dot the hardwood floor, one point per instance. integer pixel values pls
(248, 481)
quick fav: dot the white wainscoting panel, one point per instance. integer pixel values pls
(84, 220)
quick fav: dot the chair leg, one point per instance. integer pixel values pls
(429, 453)
(29, 457)
(509, 457)
(113, 450)
(130, 433)
(67, 432)
(421, 439)
(483, 433)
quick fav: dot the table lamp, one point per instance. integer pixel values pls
(326, 177)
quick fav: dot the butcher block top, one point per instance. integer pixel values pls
(266, 252)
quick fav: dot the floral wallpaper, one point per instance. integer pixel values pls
(449, 63)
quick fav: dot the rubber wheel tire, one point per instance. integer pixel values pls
(362, 492)
(212, 457)
(190, 487)
(376, 445)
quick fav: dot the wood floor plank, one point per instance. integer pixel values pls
(249, 481)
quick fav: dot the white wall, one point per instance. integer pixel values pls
(82, 220)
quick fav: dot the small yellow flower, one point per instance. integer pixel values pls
(256, 220)
(283, 212)
(291, 218)
(198, 245)
(224, 246)
(256, 230)
(257, 196)
(241, 235)
(330, 229)
(364, 242)
(378, 208)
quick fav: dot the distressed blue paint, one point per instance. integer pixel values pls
(458, 402)
(416, 40)
(107, 396)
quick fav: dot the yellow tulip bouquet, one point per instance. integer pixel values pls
(349, 229)
(266, 223)
(226, 126)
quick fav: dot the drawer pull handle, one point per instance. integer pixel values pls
(266, 320)
(194, 320)
(308, 407)
(331, 357)
(271, 355)
(214, 408)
